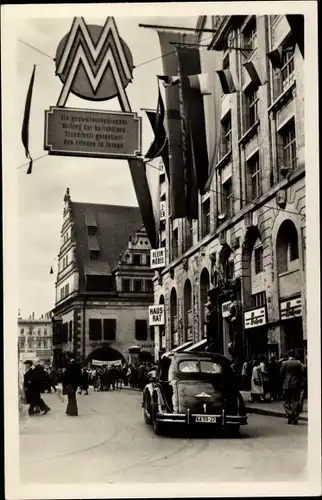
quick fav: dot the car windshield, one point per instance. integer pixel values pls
(199, 366)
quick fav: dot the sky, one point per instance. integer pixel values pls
(40, 195)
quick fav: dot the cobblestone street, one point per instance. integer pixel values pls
(108, 442)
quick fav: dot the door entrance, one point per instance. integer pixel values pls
(256, 341)
(293, 331)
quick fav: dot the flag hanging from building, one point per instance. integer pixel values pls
(275, 56)
(257, 72)
(228, 84)
(26, 119)
(182, 204)
(143, 195)
(189, 67)
(159, 146)
(296, 22)
(200, 83)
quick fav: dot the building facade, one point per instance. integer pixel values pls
(104, 284)
(35, 338)
(236, 276)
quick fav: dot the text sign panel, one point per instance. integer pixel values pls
(91, 133)
(254, 318)
(157, 258)
(156, 315)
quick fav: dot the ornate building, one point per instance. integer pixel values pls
(104, 283)
(235, 278)
(35, 338)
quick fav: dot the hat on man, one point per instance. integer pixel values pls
(28, 362)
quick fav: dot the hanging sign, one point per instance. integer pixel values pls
(163, 210)
(157, 258)
(291, 308)
(255, 317)
(156, 315)
(98, 134)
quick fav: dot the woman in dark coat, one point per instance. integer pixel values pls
(71, 381)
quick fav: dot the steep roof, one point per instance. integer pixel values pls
(112, 227)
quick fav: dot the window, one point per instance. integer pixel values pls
(250, 38)
(126, 285)
(206, 217)
(136, 259)
(148, 261)
(258, 255)
(152, 333)
(258, 299)
(251, 116)
(45, 332)
(39, 332)
(109, 328)
(95, 329)
(255, 176)
(66, 260)
(287, 249)
(175, 244)
(67, 290)
(70, 332)
(293, 247)
(94, 255)
(141, 329)
(226, 135)
(289, 145)
(45, 344)
(148, 286)
(287, 70)
(22, 331)
(137, 286)
(231, 270)
(189, 234)
(227, 199)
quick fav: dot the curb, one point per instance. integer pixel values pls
(272, 413)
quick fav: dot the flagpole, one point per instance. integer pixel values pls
(177, 28)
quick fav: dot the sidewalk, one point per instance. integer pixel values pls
(273, 408)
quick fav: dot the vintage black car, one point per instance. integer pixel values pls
(193, 389)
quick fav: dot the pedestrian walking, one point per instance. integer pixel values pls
(292, 376)
(71, 381)
(264, 373)
(274, 378)
(257, 389)
(35, 379)
(84, 382)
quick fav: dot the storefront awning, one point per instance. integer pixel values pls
(196, 347)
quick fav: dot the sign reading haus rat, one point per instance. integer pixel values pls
(156, 315)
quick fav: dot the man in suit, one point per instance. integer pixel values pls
(292, 384)
(28, 387)
(38, 383)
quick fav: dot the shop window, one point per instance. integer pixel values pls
(95, 329)
(227, 198)
(136, 259)
(109, 328)
(206, 217)
(258, 255)
(254, 174)
(141, 329)
(137, 286)
(126, 285)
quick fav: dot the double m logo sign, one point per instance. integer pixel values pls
(94, 63)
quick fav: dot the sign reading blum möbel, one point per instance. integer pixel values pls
(157, 258)
(92, 133)
(156, 315)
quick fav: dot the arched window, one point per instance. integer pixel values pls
(187, 305)
(204, 287)
(287, 249)
(257, 258)
(173, 317)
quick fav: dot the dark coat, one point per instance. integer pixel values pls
(72, 375)
(39, 378)
(28, 383)
(292, 374)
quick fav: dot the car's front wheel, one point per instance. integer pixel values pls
(158, 427)
(146, 413)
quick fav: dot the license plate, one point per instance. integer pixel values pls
(206, 419)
